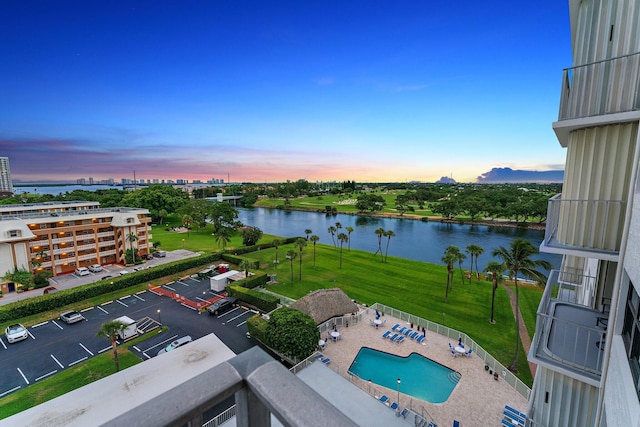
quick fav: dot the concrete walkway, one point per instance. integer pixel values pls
(523, 332)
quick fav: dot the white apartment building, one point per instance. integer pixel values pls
(587, 340)
(6, 186)
(62, 236)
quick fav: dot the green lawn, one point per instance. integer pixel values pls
(414, 287)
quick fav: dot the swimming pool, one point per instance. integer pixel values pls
(420, 376)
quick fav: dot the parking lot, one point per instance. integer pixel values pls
(54, 346)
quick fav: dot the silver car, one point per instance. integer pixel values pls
(70, 317)
(15, 333)
(175, 344)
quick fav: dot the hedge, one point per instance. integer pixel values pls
(257, 327)
(260, 300)
(30, 306)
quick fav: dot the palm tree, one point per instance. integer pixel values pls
(449, 259)
(276, 243)
(245, 265)
(110, 330)
(517, 260)
(223, 236)
(131, 237)
(291, 254)
(342, 238)
(349, 231)
(459, 257)
(379, 232)
(300, 244)
(496, 270)
(389, 234)
(314, 239)
(332, 230)
(338, 225)
(474, 251)
(307, 232)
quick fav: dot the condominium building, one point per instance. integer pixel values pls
(587, 339)
(62, 236)
(6, 186)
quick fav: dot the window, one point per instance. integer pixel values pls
(631, 335)
(14, 233)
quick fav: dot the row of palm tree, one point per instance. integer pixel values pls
(381, 232)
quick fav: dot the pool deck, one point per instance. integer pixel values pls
(478, 399)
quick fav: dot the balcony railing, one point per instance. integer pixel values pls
(145, 395)
(591, 226)
(569, 337)
(603, 87)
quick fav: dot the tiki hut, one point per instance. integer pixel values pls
(324, 304)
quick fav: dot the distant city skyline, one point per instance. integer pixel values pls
(364, 91)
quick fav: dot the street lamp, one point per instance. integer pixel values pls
(369, 386)
(182, 243)
(398, 394)
(159, 319)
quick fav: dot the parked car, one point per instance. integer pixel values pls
(123, 272)
(139, 268)
(70, 317)
(148, 257)
(221, 306)
(108, 276)
(15, 333)
(50, 290)
(175, 344)
(160, 254)
(82, 271)
(95, 268)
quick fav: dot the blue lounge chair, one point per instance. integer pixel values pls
(456, 423)
(320, 357)
(506, 423)
(400, 339)
(326, 361)
(394, 406)
(386, 334)
(396, 326)
(383, 399)
(407, 332)
(401, 331)
(420, 339)
(515, 411)
(404, 413)
(394, 337)
(414, 335)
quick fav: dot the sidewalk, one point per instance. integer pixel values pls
(524, 334)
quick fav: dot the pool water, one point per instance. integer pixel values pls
(419, 376)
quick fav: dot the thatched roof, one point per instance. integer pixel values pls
(324, 304)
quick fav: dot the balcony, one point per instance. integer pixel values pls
(570, 336)
(604, 87)
(586, 228)
(202, 374)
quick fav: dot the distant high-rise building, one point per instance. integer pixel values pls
(81, 181)
(6, 186)
(90, 180)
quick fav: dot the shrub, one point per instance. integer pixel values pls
(292, 332)
(257, 327)
(260, 300)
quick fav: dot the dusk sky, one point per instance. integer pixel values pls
(265, 91)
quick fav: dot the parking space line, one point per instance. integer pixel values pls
(136, 296)
(182, 283)
(141, 292)
(78, 361)
(168, 287)
(228, 313)
(86, 309)
(86, 349)
(105, 311)
(239, 315)
(241, 323)
(46, 375)
(55, 323)
(104, 349)
(39, 324)
(23, 377)
(2, 342)
(118, 301)
(30, 334)
(185, 305)
(57, 361)
(106, 303)
(10, 391)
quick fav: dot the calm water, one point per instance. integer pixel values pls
(416, 240)
(419, 376)
(60, 189)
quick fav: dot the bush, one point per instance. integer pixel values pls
(257, 327)
(260, 300)
(292, 333)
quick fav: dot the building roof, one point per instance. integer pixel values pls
(324, 304)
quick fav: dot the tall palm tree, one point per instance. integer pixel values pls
(300, 243)
(342, 238)
(517, 260)
(349, 231)
(131, 237)
(449, 259)
(459, 257)
(332, 230)
(245, 265)
(474, 251)
(314, 238)
(307, 232)
(276, 243)
(379, 232)
(496, 270)
(110, 330)
(389, 234)
(223, 236)
(291, 254)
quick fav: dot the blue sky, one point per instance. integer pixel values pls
(269, 91)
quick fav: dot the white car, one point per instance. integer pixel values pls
(82, 271)
(95, 268)
(15, 333)
(70, 317)
(123, 272)
(175, 344)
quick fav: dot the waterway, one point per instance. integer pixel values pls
(59, 189)
(416, 240)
